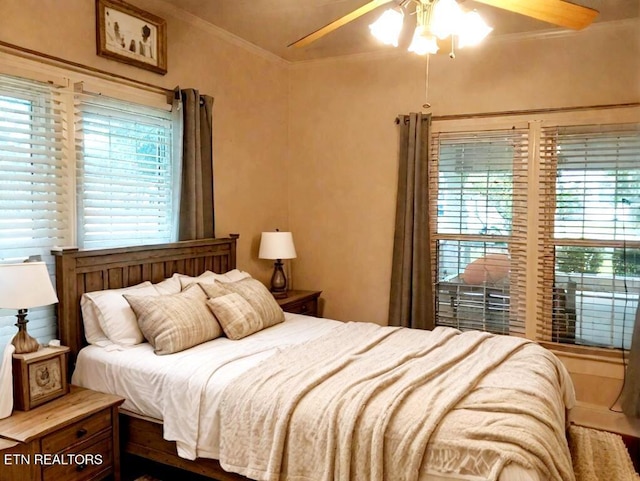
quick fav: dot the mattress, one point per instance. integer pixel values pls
(140, 376)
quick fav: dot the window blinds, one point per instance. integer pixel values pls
(33, 194)
(591, 175)
(124, 173)
(478, 185)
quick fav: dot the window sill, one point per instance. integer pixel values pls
(601, 354)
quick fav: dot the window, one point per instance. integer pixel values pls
(480, 206)
(33, 194)
(119, 164)
(536, 227)
(596, 231)
(125, 174)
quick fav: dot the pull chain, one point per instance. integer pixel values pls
(426, 104)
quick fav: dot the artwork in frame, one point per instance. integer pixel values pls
(131, 35)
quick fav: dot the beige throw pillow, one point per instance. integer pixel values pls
(236, 316)
(259, 297)
(176, 322)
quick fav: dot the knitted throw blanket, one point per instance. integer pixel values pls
(374, 403)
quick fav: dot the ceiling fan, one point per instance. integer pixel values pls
(438, 19)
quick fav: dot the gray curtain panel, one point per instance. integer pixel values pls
(411, 297)
(196, 217)
(631, 390)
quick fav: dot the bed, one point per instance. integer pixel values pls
(520, 436)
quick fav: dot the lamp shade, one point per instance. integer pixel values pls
(25, 285)
(277, 245)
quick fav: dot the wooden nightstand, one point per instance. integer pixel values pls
(72, 438)
(301, 302)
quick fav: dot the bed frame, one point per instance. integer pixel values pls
(80, 271)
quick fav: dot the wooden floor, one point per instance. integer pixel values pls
(133, 467)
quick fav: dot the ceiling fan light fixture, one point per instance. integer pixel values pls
(473, 30)
(446, 18)
(388, 26)
(423, 42)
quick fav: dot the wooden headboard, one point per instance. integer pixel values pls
(80, 271)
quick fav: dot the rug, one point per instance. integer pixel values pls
(599, 456)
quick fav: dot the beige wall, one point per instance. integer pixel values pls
(250, 111)
(343, 141)
(343, 151)
(313, 147)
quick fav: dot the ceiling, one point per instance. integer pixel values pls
(274, 24)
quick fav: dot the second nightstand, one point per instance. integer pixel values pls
(301, 302)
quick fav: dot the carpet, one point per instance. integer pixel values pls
(599, 456)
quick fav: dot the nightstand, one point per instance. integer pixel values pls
(301, 302)
(72, 438)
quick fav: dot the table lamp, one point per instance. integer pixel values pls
(23, 286)
(277, 245)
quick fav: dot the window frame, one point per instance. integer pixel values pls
(69, 81)
(535, 122)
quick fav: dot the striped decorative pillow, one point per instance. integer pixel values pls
(176, 322)
(236, 316)
(259, 297)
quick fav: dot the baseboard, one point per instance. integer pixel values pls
(604, 419)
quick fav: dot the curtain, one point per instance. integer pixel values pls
(196, 212)
(411, 294)
(631, 389)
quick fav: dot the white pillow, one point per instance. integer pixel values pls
(93, 333)
(116, 319)
(169, 286)
(209, 277)
(234, 276)
(206, 277)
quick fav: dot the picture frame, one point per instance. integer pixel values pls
(39, 377)
(130, 35)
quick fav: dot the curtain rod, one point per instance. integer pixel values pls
(80, 68)
(532, 111)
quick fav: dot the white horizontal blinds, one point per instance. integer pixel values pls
(33, 200)
(597, 230)
(477, 183)
(124, 173)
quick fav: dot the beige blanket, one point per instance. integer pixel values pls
(378, 403)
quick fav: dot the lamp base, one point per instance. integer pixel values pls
(22, 341)
(278, 281)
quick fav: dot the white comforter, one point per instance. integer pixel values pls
(185, 390)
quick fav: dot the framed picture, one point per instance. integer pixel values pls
(130, 35)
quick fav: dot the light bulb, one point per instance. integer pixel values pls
(446, 18)
(472, 30)
(388, 27)
(422, 42)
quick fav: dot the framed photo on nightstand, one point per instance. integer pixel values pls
(39, 377)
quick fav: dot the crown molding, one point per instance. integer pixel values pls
(187, 17)
(496, 39)
(563, 32)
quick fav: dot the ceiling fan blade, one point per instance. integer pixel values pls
(321, 32)
(558, 12)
